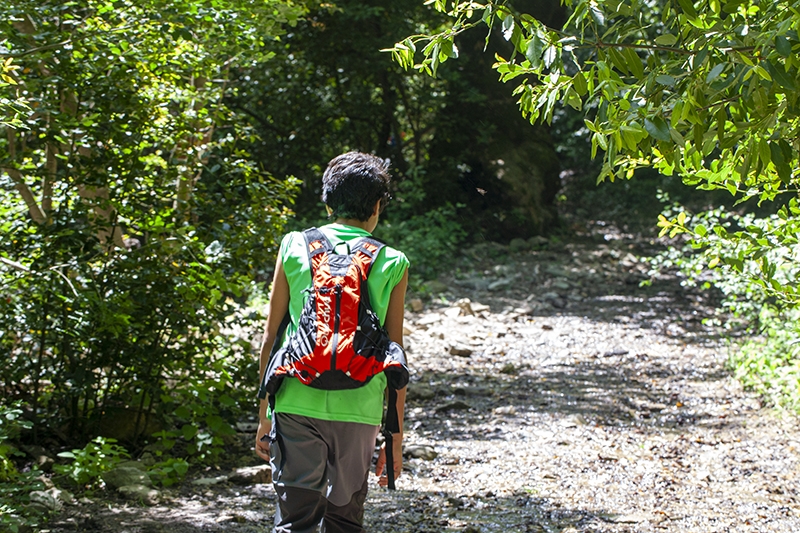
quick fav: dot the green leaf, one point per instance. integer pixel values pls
(665, 79)
(189, 431)
(579, 83)
(657, 128)
(508, 27)
(446, 51)
(783, 46)
(533, 53)
(715, 72)
(227, 401)
(573, 100)
(764, 152)
(675, 117)
(776, 154)
(688, 8)
(699, 58)
(634, 62)
(550, 56)
(597, 15)
(666, 40)
(782, 166)
(779, 75)
(180, 467)
(618, 60)
(762, 72)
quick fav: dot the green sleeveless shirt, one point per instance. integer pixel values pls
(365, 404)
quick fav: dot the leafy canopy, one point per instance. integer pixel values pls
(707, 90)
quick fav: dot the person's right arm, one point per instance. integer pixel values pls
(278, 307)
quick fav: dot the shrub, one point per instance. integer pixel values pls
(88, 464)
(770, 363)
(430, 241)
(14, 485)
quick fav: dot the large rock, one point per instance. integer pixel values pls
(123, 476)
(537, 242)
(207, 481)
(457, 405)
(460, 350)
(251, 475)
(140, 493)
(138, 465)
(426, 453)
(518, 245)
(416, 305)
(45, 500)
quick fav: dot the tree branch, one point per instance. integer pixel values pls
(40, 49)
(27, 195)
(14, 264)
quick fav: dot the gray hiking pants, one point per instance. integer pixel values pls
(320, 470)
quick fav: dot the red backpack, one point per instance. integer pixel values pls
(339, 342)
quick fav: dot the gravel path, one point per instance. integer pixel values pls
(566, 399)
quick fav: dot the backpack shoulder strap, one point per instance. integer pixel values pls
(370, 247)
(316, 243)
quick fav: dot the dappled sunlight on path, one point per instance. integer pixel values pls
(607, 410)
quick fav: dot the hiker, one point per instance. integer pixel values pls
(320, 442)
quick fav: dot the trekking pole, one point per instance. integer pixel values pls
(392, 425)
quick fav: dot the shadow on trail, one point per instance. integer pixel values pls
(424, 512)
(619, 384)
(608, 393)
(601, 282)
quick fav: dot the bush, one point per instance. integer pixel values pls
(431, 241)
(169, 472)
(89, 463)
(770, 363)
(749, 260)
(14, 485)
(11, 425)
(131, 218)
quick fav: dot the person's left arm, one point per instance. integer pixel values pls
(394, 326)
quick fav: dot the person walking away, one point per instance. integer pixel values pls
(320, 442)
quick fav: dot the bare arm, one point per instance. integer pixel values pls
(278, 307)
(394, 326)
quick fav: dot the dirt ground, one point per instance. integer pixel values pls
(550, 393)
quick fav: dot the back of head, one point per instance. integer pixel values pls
(353, 183)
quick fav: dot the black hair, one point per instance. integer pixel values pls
(353, 182)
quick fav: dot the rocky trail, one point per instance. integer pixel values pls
(550, 393)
